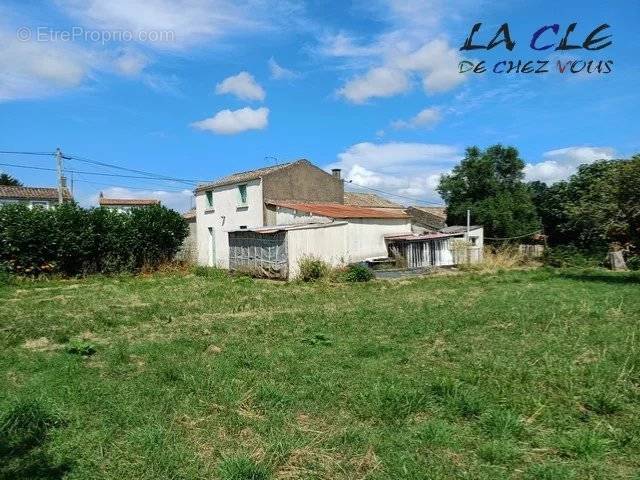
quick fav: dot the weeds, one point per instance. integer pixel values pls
(312, 269)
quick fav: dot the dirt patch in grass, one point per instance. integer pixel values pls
(42, 344)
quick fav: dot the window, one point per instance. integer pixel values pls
(242, 195)
(39, 203)
(209, 194)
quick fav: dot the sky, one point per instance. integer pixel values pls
(197, 89)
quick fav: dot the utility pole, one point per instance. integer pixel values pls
(468, 222)
(59, 170)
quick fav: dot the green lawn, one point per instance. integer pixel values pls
(511, 375)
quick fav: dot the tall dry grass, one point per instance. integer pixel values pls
(506, 257)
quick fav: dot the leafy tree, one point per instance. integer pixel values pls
(490, 184)
(597, 206)
(8, 180)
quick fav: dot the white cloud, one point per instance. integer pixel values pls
(185, 22)
(278, 72)
(38, 69)
(228, 122)
(560, 164)
(179, 201)
(377, 82)
(395, 155)
(243, 86)
(131, 63)
(426, 118)
(435, 63)
(409, 169)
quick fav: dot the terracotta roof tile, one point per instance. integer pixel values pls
(128, 201)
(34, 193)
(337, 210)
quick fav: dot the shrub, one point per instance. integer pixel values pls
(312, 269)
(71, 240)
(5, 276)
(570, 256)
(358, 273)
(633, 262)
(80, 347)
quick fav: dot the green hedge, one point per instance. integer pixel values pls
(71, 240)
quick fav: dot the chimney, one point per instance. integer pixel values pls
(336, 173)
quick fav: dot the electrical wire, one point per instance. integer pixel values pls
(146, 189)
(513, 238)
(6, 152)
(156, 176)
(83, 172)
(394, 194)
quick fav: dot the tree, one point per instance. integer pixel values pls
(8, 180)
(596, 207)
(490, 184)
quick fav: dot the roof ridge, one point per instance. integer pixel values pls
(248, 175)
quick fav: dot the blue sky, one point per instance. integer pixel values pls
(197, 89)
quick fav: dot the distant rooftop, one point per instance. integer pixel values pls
(437, 211)
(372, 200)
(114, 202)
(34, 193)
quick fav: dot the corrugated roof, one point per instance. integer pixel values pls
(34, 193)
(111, 202)
(415, 237)
(371, 200)
(247, 176)
(337, 210)
(458, 228)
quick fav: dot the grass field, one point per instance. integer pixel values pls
(510, 375)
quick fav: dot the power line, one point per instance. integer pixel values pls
(156, 176)
(513, 238)
(84, 172)
(129, 187)
(395, 194)
(6, 152)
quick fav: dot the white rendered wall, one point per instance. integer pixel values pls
(366, 236)
(343, 242)
(225, 216)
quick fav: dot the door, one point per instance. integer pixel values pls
(212, 247)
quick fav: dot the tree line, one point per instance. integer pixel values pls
(595, 210)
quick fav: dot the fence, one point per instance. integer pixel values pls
(264, 254)
(531, 251)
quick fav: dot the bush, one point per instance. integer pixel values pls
(358, 273)
(312, 269)
(570, 256)
(5, 276)
(70, 240)
(633, 262)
